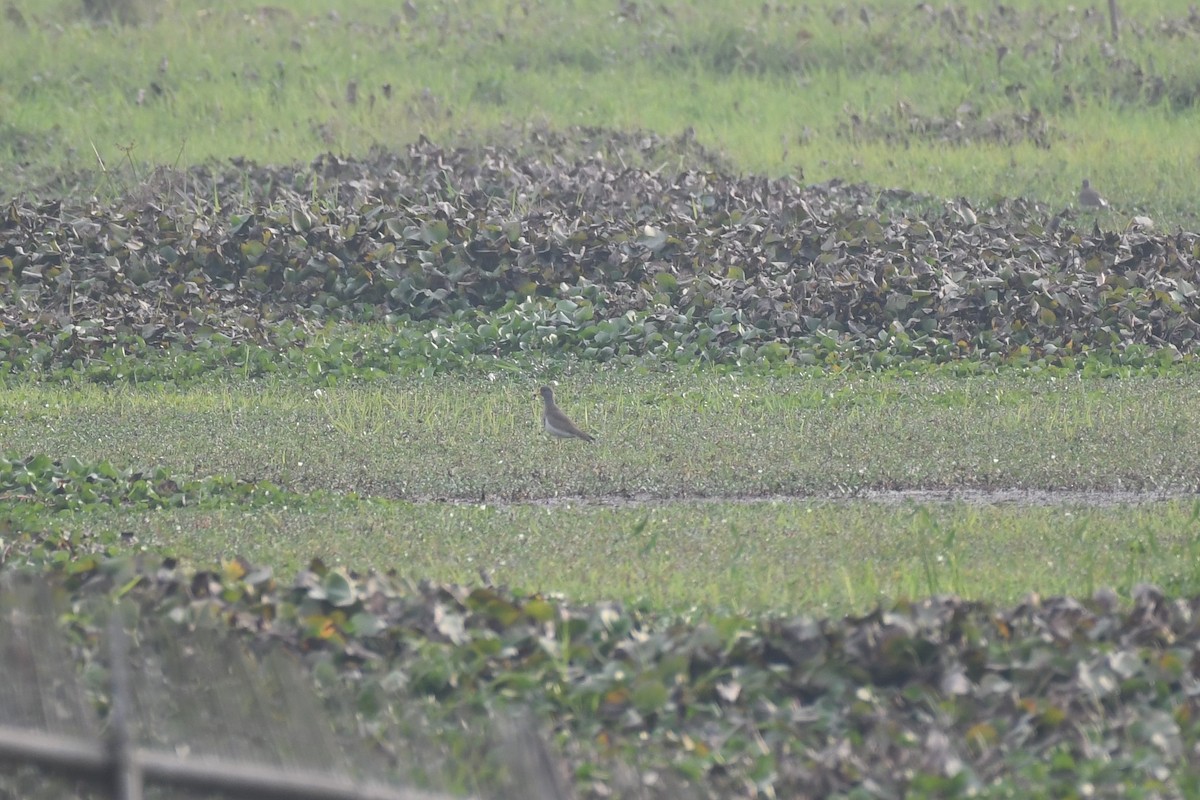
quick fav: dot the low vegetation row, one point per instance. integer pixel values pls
(461, 254)
(941, 697)
(931, 699)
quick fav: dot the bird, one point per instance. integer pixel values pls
(1090, 198)
(555, 421)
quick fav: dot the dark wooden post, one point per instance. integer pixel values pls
(127, 772)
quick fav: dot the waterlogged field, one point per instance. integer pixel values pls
(894, 488)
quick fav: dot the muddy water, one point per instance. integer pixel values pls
(1092, 498)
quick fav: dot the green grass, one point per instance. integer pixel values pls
(779, 93)
(684, 436)
(688, 434)
(821, 558)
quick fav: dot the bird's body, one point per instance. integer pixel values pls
(1089, 197)
(555, 422)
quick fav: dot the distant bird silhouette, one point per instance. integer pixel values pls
(555, 422)
(1090, 198)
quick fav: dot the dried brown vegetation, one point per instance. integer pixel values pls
(938, 698)
(434, 232)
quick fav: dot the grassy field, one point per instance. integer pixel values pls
(908, 97)
(775, 556)
(659, 436)
(771, 453)
(741, 589)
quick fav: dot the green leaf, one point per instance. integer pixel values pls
(649, 694)
(339, 591)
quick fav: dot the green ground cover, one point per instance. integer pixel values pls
(341, 468)
(782, 556)
(214, 375)
(979, 100)
(683, 435)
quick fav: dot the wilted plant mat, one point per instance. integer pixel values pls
(902, 124)
(488, 252)
(933, 698)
